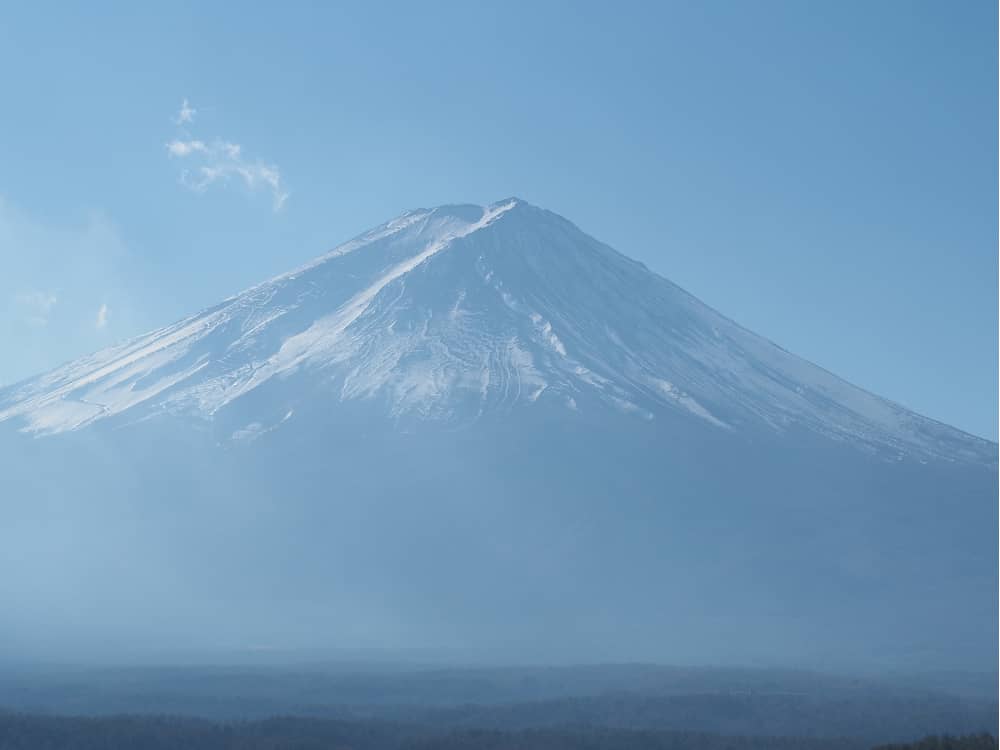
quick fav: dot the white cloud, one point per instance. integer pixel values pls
(35, 306)
(56, 271)
(220, 162)
(102, 316)
(185, 114)
(186, 148)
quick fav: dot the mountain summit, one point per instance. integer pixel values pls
(478, 428)
(452, 313)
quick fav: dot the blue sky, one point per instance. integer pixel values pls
(824, 173)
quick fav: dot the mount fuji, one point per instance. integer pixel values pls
(479, 428)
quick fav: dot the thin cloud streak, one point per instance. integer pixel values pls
(35, 306)
(186, 148)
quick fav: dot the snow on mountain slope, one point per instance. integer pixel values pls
(451, 313)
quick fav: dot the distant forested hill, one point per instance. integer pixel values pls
(969, 742)
(25, 732)
(525, 702)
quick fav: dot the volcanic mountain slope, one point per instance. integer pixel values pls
(480, 428)
(450, 313)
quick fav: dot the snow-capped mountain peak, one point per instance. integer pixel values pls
(461, 311)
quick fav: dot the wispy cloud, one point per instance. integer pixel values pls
(186, 148)
(185, 114)
(35, 306)
(55, 271)
(220, 162)
(103, 313)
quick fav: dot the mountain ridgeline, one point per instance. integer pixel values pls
(480, 429)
